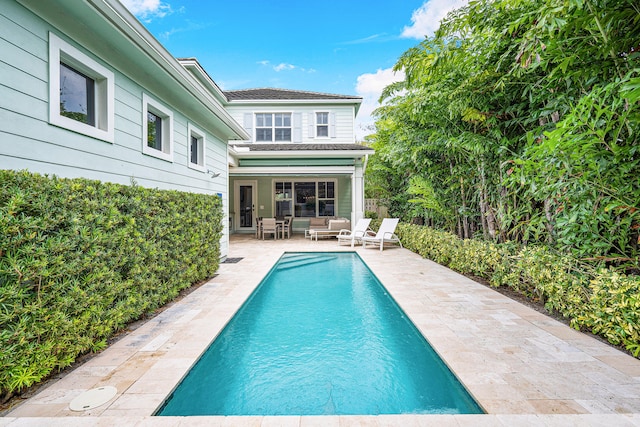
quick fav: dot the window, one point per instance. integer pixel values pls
(273, 127)
(309, 198)
(157, 129)
(197, 146)
(284, 198)
(305, 199)
(326, 198)
(322, 125)
(77, 95)
(81, 92)
(154, 131)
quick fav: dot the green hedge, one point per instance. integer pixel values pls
(599, 300)
(80, 259)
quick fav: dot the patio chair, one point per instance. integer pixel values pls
(286, 228)
(359, 231)
(269, 226)
(258, 227)
(386, 234)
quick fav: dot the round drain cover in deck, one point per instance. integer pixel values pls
(93, 398)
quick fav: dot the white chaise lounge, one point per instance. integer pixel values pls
(386, 234)
(359, 231)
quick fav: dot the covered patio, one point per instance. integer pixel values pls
(303, 181)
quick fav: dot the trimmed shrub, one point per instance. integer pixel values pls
(615, 309)
(79, 259)
(602, 301)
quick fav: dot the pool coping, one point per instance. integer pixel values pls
(522, 367)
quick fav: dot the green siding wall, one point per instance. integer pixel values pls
(344, 197)
(28, 141)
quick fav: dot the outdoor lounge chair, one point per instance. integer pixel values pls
(359, 231)
(386, 234)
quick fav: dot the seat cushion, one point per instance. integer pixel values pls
(339, 224)
(317, 223)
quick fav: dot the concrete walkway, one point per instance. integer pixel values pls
(524, 368)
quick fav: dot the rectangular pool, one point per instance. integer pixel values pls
(320, 335)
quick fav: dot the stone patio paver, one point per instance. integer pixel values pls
(521, 366)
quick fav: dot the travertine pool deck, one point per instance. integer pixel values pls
(524, 368)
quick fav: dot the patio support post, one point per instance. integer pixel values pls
(357, 192)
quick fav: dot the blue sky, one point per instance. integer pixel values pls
(337, 46)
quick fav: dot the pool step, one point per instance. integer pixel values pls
(287, 259)
(302, 261)
(292, 257)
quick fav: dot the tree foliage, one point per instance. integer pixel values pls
(519, 121)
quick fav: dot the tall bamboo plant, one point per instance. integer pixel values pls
(521, 117)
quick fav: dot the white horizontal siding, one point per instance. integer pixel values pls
(343, 118)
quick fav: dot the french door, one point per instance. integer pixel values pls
(245, 205)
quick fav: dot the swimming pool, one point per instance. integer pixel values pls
(319, 336)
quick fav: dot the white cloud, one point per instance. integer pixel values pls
(189, 26)
(426, 19)
(382, 37)
(146, 10)
(370, 86)
(286, 67)
(283, 66)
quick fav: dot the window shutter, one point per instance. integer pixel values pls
(248, 123)
(297, 127)
(312, 125)
(332, 125)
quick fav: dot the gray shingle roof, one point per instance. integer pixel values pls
(282, 94)
(304, 147)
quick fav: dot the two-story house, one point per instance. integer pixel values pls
(301, 160)
(86, 91)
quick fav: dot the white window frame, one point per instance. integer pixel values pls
(294, 195)
(283, 199)
(104, 90)
(149, 104)
(327, 125)
(334, 198)
(193, 131)
(273, 126)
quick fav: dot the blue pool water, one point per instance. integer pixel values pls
(319, 336)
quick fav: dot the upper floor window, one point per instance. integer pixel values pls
(154, 130)
(273, 127)
(77, 95)
(81, 91)
(197, 147)
(157, 129)
(322, 125)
